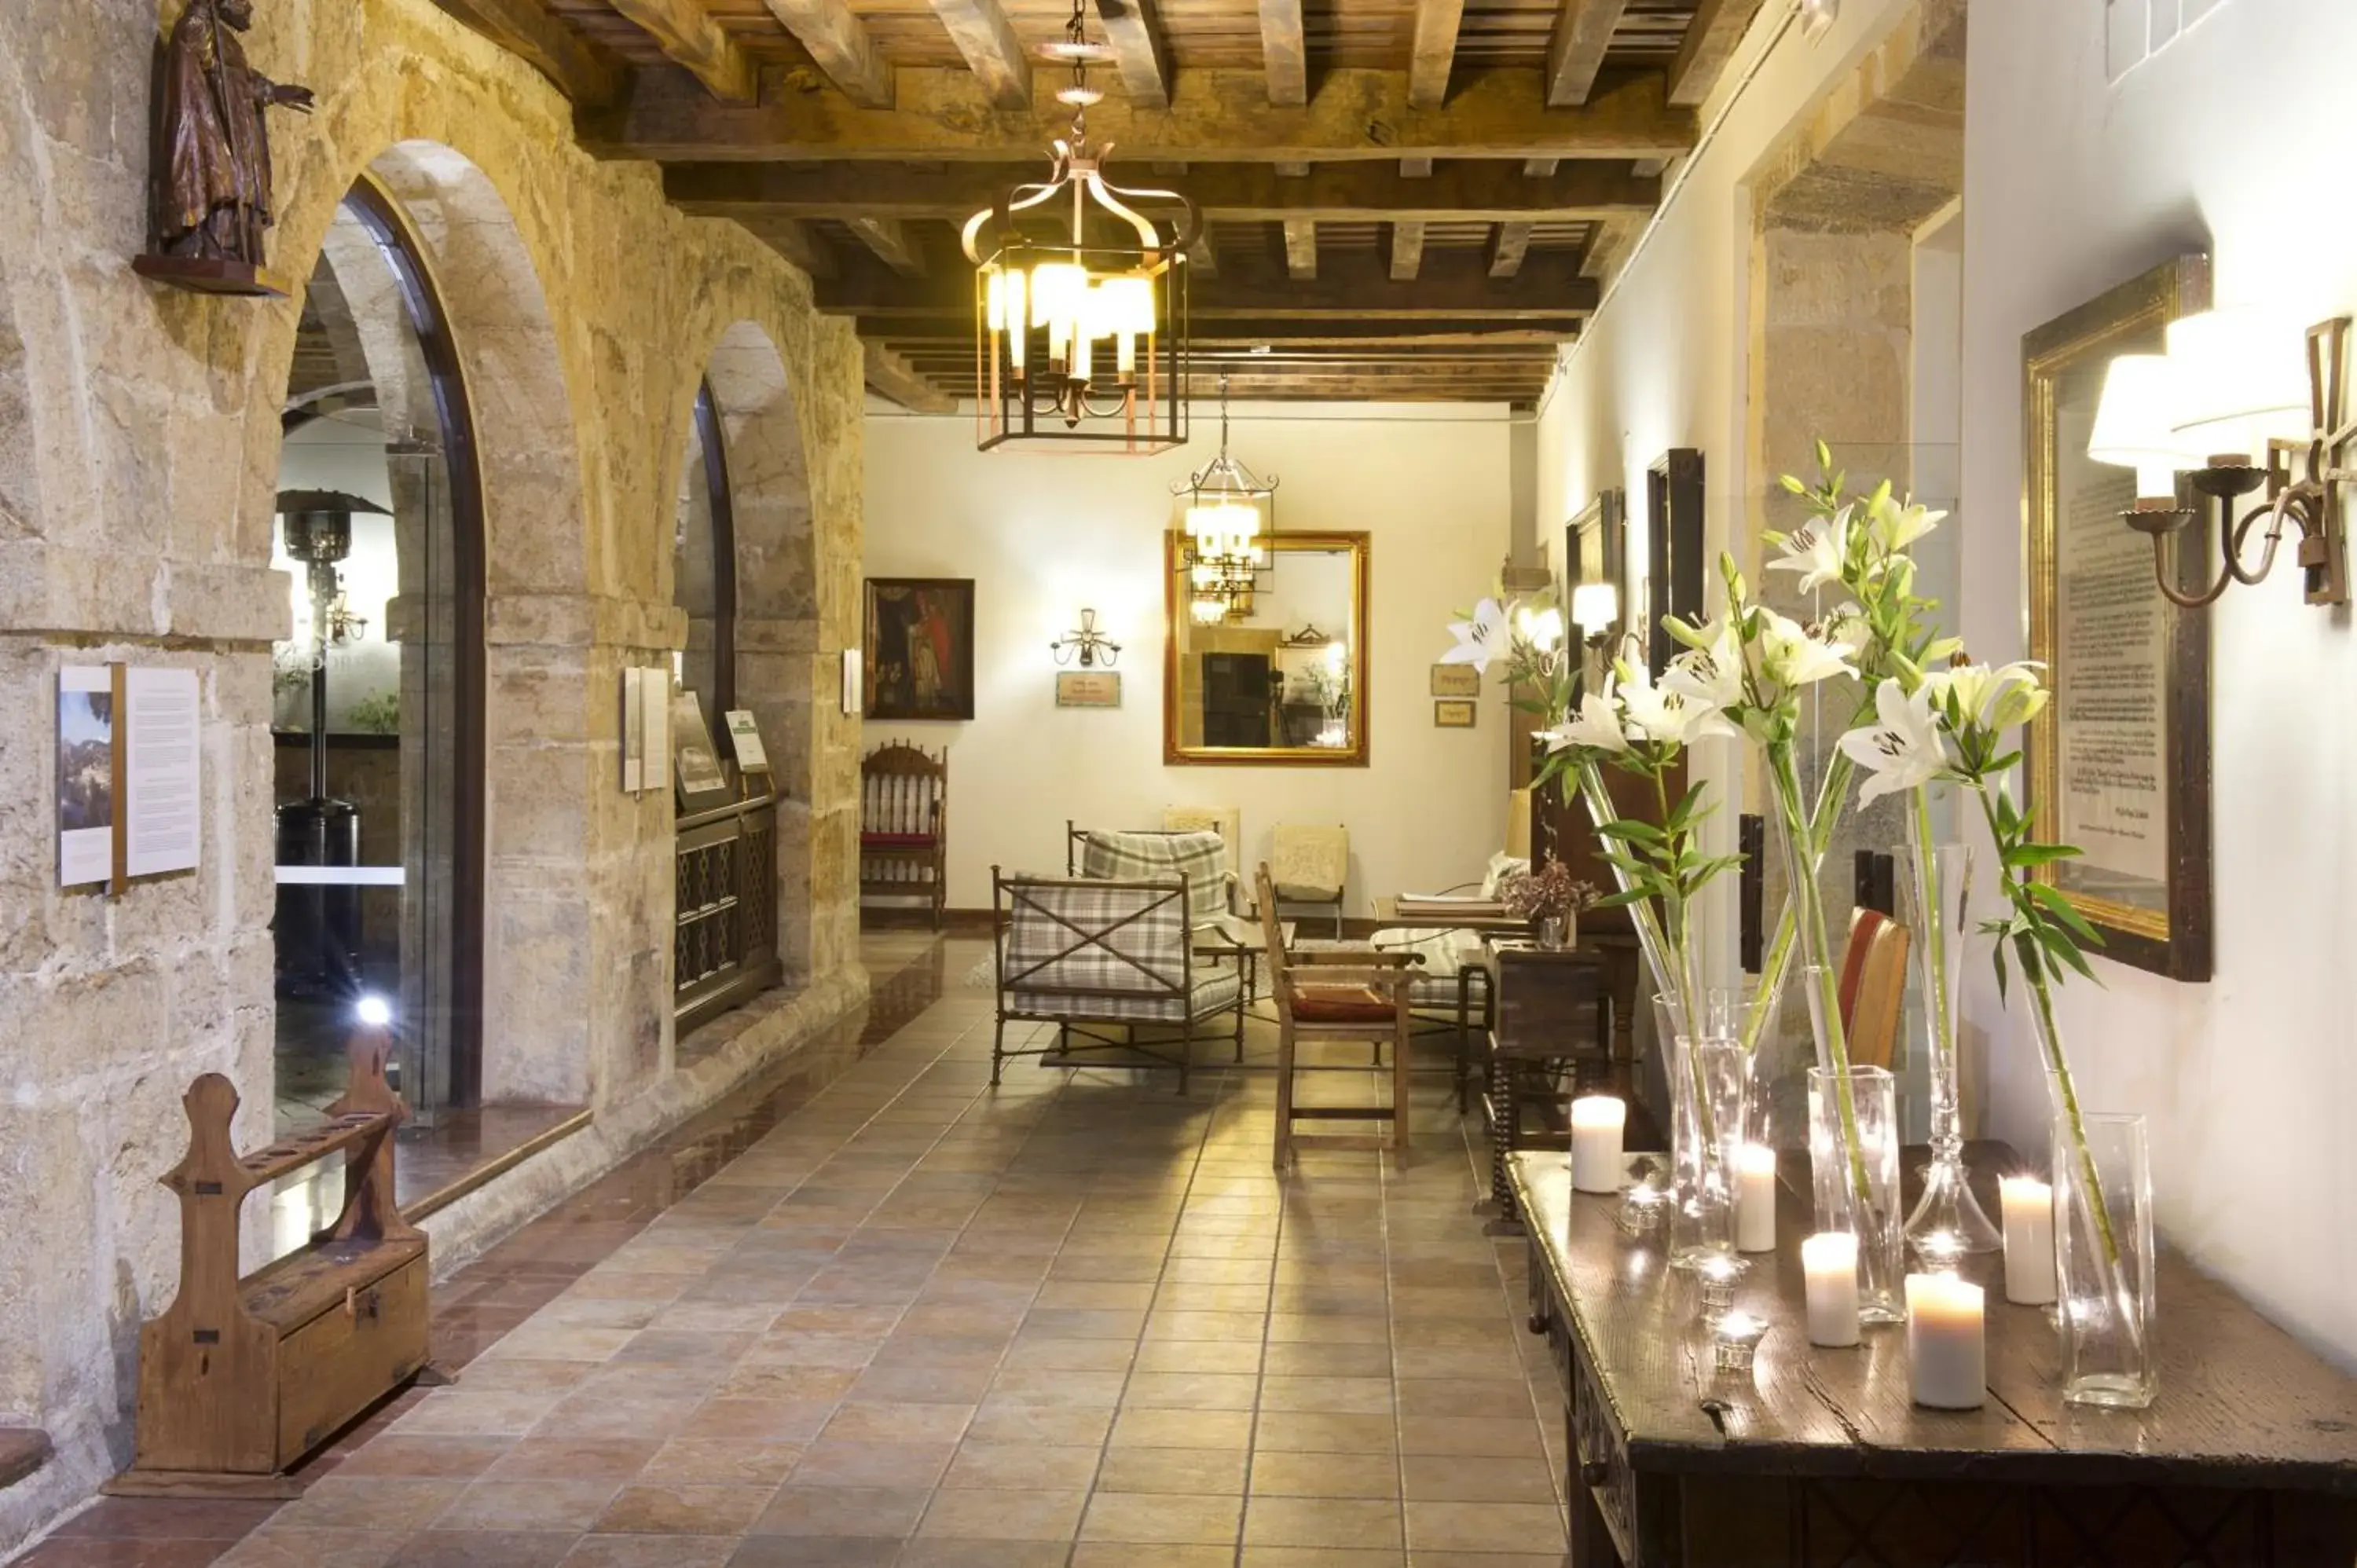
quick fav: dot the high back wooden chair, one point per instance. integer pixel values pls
(904, 845)
(1873, 986)
(1345, 995)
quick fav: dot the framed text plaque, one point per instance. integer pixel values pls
(2119, 763)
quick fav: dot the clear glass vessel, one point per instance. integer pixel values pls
(2103, 1260)
(1947, 1219)
(1859, 1193)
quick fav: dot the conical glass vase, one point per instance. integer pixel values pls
(1947, 1220)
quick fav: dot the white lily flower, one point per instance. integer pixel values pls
(1791, 656)
(1481, 638)
(1903, 749)
(1893, 525)
(1597, 726)
(1670, 715)
(1712, 671)
(1818, 549)
(1991, 698)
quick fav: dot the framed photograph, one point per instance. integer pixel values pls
(920, 641)
(1451, 714)
(2119, 763)
(1087, 688)
(1456, 680)
(87, 774)
(1673, 549)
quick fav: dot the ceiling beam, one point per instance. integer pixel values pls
(839, 43)
(1203, 255)
(1583, 31)
(1284, 53)
(1435, 51)
(1135, 35)
(892, 243)
(1350, 285)
(992, 51)
(892, 377)
(1216, 117)
(1300, 249)
(1408, 250)
(1466, 191)
(586, 72)
(1415, 168)
(797, 241)
(1717, 26)
(685, 31)
(1508, 246)
(1607, 248)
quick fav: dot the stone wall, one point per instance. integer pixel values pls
(138, 454)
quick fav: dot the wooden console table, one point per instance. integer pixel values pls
(2249, 1456)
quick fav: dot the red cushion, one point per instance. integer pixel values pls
(1342, 1005)
(896, 838)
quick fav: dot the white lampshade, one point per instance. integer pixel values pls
(2241, 377)
(1595, 605)
(2133, 423)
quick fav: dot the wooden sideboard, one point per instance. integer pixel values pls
(2249, 1456)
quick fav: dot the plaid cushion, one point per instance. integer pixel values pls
(1200, 857)
(1215, 991)
(1116, 938)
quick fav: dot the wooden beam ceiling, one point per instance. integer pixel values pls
(838, 42)
(1300, 249)
(1216, 115)
(686, 32)
(1408, 250)
(890, 240)
(1508, 246)
(1433, 50)
(1583, 31)
(1284, 52)
(1135, 36)
(1461, 192)
(1709, 43)
(891, 376)
(993, 53)
(582, 70)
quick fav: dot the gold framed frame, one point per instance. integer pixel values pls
(2173, 938)
(1176, 752)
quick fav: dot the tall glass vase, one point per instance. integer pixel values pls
(1668, 953)
(1709, 1081)
(1947, 1219)
(2103, 1260)
(1873, 1215)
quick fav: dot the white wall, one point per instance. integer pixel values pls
(2234, 139)
(1045, 535)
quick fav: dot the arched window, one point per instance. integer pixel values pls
(379, 709)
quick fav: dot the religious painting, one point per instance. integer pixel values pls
(2119, 763)
(920, 648)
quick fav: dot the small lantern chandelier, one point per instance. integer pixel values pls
(1046, 299)
(1229, 512)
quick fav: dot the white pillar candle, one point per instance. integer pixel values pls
(1829, 1262)
(1596, 1123)
(2029, 1240)
(1755, 1199)
(1947, 1354)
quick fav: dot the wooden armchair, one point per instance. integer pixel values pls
(904, 843)
(1341, 994)
(1873, 986)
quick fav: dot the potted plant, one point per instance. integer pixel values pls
(1550, 898)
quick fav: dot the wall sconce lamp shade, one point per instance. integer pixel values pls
(1089, 645)
(1816, 15)
(2232, 403)
(1596, 609)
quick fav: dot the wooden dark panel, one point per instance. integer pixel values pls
(1284, 52)
(584, 71)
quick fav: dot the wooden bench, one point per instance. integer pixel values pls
(240, 1378)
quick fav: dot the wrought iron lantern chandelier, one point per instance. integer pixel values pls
(1080, 298)
(1230, 513)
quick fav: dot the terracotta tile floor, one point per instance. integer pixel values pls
(876, 1314)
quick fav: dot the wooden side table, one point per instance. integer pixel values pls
(2249, 1455)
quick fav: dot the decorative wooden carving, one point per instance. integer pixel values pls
(240, 1379)
(210, 177)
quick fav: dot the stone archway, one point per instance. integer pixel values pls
(777, 597)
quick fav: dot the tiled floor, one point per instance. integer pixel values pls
(906, 1320)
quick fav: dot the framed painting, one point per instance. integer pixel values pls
(2119, 763)
(1452, 713)
(920, 648)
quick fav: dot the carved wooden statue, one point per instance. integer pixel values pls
(210, 177)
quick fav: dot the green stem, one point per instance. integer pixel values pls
(1833, 792)
(1809, 904)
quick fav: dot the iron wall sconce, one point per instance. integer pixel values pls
(2208, 383)
(1092, 646)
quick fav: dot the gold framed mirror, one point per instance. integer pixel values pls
(1272, 674)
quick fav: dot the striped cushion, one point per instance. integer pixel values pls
(1200, 857)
